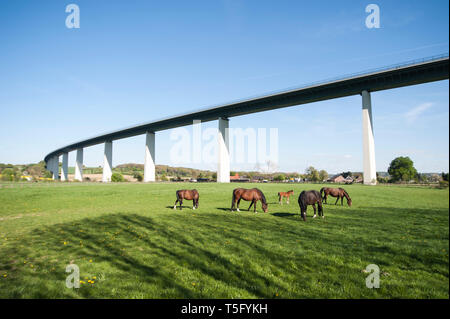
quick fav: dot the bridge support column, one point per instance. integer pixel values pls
(55, 168)
(65, 167)
(370, 173)
(49, 165)
(223, 169)
(79, 165)
(107, 162)
(149, 161)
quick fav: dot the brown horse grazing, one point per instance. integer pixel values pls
(340, 193)
(252, 195)
(285, 194)
(310, 198)
(189, 195)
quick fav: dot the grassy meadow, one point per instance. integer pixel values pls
(129, 243)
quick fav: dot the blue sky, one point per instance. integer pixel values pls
(137, 61)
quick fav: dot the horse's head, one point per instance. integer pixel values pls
(349, 202)
(264, 207)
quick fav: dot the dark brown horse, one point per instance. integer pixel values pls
(310, 198)
(285, 194)
(189, 195)
(252, 195)
(340, 193)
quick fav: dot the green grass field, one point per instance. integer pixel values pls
(130, 243)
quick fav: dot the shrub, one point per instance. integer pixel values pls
(117, 177)
(8, 174)
(443, 184)
(138, 176)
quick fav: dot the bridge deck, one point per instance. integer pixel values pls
(405, 74)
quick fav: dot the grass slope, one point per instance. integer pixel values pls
(130, 239)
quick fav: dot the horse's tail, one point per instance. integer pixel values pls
(233, 198)
(178, 195)
(302, 204)
(301, 201)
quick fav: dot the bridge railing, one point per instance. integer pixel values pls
(334, 79)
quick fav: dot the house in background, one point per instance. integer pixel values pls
(336, 179)
(237, 178)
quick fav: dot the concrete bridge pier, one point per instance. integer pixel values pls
(223, 169)
(54, 167)
(65, 167)
(79, 165)
(49, 165)
(369, 168)
(107, 162)
(149, 161)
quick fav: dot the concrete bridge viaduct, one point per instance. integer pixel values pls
(409, 73)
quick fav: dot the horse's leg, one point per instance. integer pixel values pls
(342, 201)
(250, 205)
(193, 204)
(288, 199)
(239, 200)
(175, 205)
(314, 206)
(280, 199)
(181, 204)
(320, 209)
(254, 206)
(336, 201)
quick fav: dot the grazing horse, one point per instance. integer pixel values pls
(340, 193)
(189, 195)
(285, 194)
(310, 198)
(252, 195)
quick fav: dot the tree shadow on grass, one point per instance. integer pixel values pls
(213, 250)
(113, 240)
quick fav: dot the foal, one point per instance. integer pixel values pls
(285, 194)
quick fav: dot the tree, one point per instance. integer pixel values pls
(312, 174)
(138, 176)
(444, 176)
(279, 178)
(402, 169)
(346, 174)
(323, 175)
